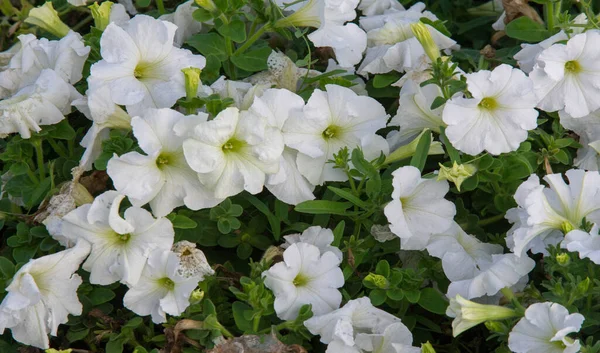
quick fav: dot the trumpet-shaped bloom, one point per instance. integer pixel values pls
(65, 57)
(342, 325)
(275, 106)
(140, 64)
(584, 243)
(565, 75)
(414, 111)
(161, 177)
(418, 208)
(186, 24)
(498, 116)
(233, 152)
(391, 44)
(161, 289)
(317, 236)
(468, 314)
(588, 129)
(41, 296)
(45, 102)
(120, 246)
(544, 329)
(545, 214)
(331, 120)
(305, 277)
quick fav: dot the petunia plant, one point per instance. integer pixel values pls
(338, 176)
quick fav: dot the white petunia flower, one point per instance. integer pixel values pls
(120, 246)
(545, 214)
(468, 314)
(379, 7)
(498, 116)
(331, 120)
(233, 152)
(140, 64)
(45, 102)
(105, 115)
(187, 26)
(317, 236)
(275, 106)
(584, 243)
(527, 57)
(65, 57)
(161, 177)
(41, 296)
(347, 40)
(161, 289)
(391, 44)
(305, 277)
(544, 329)
(241, 92)
(356, 316)
(588, 129)
(414, 111)
(418, 208)
(565, 75)
(394, 339)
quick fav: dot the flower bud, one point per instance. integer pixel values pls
(457, 174)
(47, 18)
(427, 348)
(377, 280)
(196, 296)
(468, 314)
(192, 81)
(52, 350)
(424, 37)
(208, 5)
(566, 227)
(101, 14)
(563, 259)
(408, 150)
(495, 326)
(584, 286)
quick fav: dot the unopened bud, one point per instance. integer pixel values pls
(566, 227)
(192, 81)
(378, 280)
(424, 37)
(496, 326)
(101, 14)
(457, 174)
(52, 350)
(427, 348)
(196, 296)
(47, 19)
(584, 286)
(208, 5)
(563, 259)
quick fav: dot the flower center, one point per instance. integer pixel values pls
(488, 103)
(163, 160)
(331, 132)
(300, 280)
(566, 227)
(572, 67)
(167, 283)
(233, 145)
(123, 237)
(143, 71)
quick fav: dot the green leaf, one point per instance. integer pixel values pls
(420, 157)
(381, 81)
(323, 207)
(7, 268)
(338, 233)
(244, 250)
(238, 309)
(101, 295)
(135, 322)
(236, 30)
(349, 196)
(24, 253)
(383, 268)
(62, 131)
(437, 102)
(209, 44)
(142, 3)
(77, 335)
(433, 301)
(377, 296)
(19, 168)
(252, 61)
(183, 222)
(201, 15)
(262, 207)
(452, 152)
(526, 29)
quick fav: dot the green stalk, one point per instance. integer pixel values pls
(549, 15)
(252, 39)
(39, 152)
(161, 7)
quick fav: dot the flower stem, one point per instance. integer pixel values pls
(161, 7)
(549, 15)
(39, 152)
(252, 39)
(490, 220)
